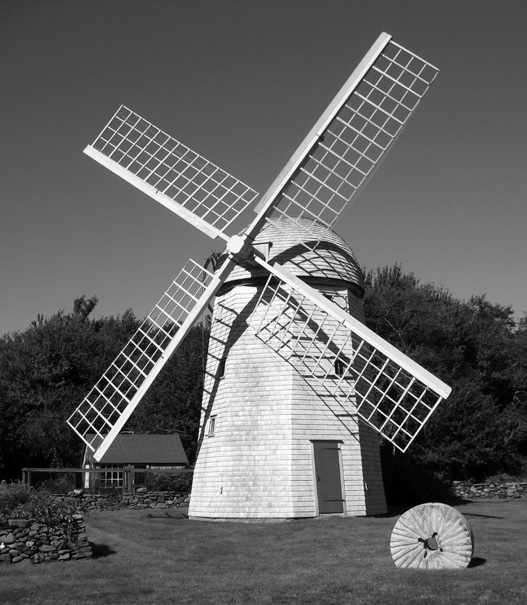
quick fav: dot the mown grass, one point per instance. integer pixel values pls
(154, 558)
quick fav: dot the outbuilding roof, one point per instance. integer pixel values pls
(129, 448)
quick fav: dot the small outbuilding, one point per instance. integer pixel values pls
(153, 452)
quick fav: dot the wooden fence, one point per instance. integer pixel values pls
(128, 473)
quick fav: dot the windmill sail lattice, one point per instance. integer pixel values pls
(111, 401)
(388, 390)
(171, 173)
(324, 175)
(352, 137)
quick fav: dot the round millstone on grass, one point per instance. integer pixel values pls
(432, 536)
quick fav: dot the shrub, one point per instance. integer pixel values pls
(408, 483)
(12, 495)
(18, 501)
(505, 478)
(168, 482)
(62, 484)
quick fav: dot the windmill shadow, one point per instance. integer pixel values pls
(236, 328)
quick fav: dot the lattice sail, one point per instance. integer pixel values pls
(385, 388)
(121, 387)
(170, 172)
(351, 138)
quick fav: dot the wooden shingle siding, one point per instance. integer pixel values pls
(333, 259)
(259, 463)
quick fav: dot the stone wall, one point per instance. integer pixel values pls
(31, 542)
(139, 500)
(472, 491)
(173, 500)
(27, 541)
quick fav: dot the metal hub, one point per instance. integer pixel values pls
(431, 543)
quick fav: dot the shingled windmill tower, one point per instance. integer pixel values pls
(274, 441)
(296, 383)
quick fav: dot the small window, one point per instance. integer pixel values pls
(221, 368)
(339, 367)
(212, 426)
(110, 478)
(264, 249)
(218, 312)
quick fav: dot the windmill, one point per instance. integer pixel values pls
(297, 387)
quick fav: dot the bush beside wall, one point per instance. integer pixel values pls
(37, 528)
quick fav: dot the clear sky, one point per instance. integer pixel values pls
(242, 82)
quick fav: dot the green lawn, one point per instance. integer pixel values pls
(146, 557)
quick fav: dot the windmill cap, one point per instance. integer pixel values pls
(306, 248)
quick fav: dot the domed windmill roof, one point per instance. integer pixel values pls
(306, 248)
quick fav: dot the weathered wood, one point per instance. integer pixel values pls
(432, 536)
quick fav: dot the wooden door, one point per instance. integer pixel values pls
(328, 480)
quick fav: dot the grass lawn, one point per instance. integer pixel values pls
(149, 557)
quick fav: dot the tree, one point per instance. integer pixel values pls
(45, 371)
(173, 403)
(476, 347)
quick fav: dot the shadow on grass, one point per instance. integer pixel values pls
(477, 562)
(399, 509)
(484, 516)
(167, 514)
(101, 550)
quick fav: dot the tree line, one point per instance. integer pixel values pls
(475, 346)
(47, 369)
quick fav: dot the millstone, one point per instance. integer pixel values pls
(432, 536)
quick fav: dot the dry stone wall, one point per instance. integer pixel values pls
(31, 542)
(471, 491)
(117, 501)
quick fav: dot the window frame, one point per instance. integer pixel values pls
(211, 426)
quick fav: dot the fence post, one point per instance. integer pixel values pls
(24, 476)
(128, 479)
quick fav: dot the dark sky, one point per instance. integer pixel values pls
(242, 82)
